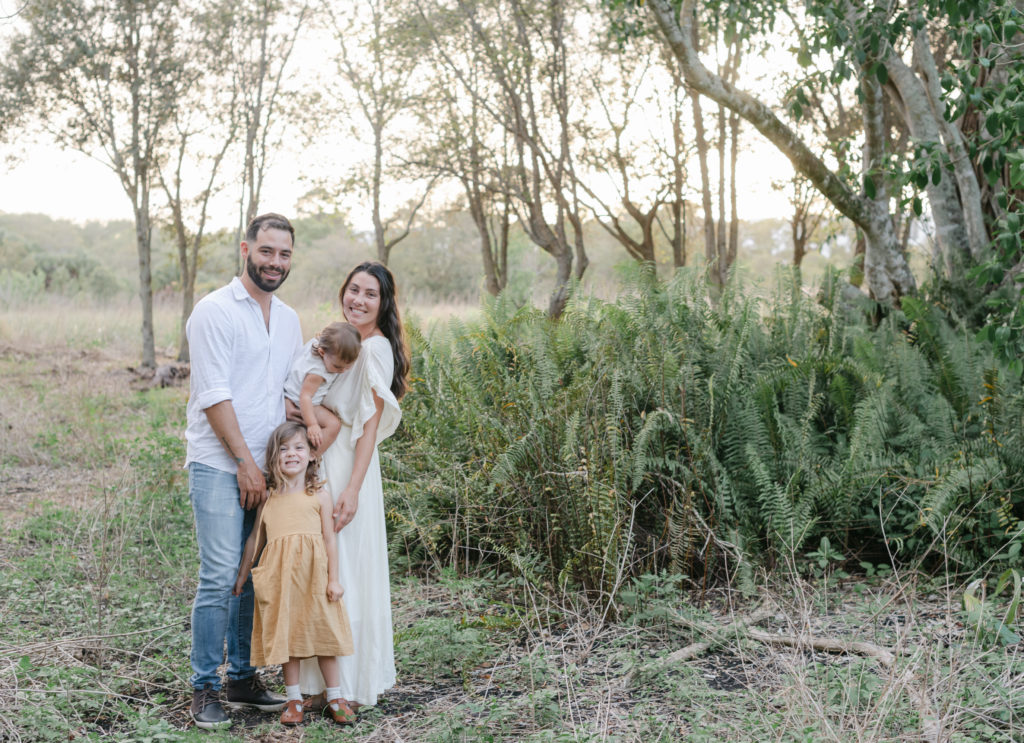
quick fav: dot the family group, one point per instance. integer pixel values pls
(285, 485)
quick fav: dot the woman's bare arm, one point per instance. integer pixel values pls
(348, 500)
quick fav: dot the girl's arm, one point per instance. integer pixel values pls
(348, 500)
(249, 553)
(310, 384)
(334, 589)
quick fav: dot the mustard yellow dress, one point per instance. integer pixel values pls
(293, 618)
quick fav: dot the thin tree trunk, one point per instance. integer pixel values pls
(705, 184)
(734, 219)
(143, 242)
(721, 269)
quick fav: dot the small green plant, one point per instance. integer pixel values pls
(825, 557)
(991, 620)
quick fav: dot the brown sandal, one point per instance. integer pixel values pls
(339, 711)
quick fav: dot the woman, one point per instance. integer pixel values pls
(366, 399)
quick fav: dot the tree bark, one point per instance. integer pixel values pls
(966, 180)
(885, 268)
(950, 232)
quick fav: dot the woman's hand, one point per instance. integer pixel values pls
(345, 508)
(334, 591)
(240, 582)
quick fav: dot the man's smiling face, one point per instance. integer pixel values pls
(268, 259)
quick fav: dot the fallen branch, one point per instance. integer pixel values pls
(931, 729)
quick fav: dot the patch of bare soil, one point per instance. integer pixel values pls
(28, 489)
(41, 393)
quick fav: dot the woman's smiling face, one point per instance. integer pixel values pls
(361, 302)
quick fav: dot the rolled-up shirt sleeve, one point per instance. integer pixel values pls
(211, 345)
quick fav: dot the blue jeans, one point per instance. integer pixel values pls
(222, 526)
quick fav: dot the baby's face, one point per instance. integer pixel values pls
(334, 364)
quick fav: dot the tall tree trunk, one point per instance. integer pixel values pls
(799, 236)
(885, 268)
(678, 238)
(378, 223)
(947, 212)
(966, 180)
(143, 243)
(188, 279)
(705, 185)
(734, 219)
(721, 269)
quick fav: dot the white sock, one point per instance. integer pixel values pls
(333, 692)
(293, 693)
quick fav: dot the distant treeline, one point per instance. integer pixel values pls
(439, 262)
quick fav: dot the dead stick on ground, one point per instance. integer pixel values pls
(931, 729)
(716, 633)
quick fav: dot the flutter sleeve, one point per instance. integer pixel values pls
(351, 397)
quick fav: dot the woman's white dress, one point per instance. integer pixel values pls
(362, 544)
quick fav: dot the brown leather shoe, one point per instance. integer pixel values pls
(339, 711)
(292, 712)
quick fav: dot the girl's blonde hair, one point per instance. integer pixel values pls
(340, 339)
(275, 478)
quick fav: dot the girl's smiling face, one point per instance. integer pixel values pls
(361, 302)
(293, 456)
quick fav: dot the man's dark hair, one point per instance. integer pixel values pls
(268, 221)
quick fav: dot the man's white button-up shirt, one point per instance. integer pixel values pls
(236, 357)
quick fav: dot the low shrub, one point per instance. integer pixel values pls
(661, 431)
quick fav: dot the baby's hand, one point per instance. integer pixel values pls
(334, 591)
(316, 437)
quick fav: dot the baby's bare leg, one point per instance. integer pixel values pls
(330, 426)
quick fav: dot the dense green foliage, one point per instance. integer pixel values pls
(659, 430)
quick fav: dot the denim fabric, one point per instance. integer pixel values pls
(222, 526)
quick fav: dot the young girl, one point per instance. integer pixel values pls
(322, 359)
(299, 612)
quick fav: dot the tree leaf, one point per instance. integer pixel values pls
(869, 188)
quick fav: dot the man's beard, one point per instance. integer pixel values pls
(261, 283)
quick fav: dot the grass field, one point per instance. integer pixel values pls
(98, 568)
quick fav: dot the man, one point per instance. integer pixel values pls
(242, 341)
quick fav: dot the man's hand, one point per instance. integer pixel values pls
(345, 509)
(252, 487)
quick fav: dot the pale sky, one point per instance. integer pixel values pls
(69, 185)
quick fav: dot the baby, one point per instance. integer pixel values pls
(331, 352)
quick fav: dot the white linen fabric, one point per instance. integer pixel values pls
(236, 357)
(305, 363)
(362, 544)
